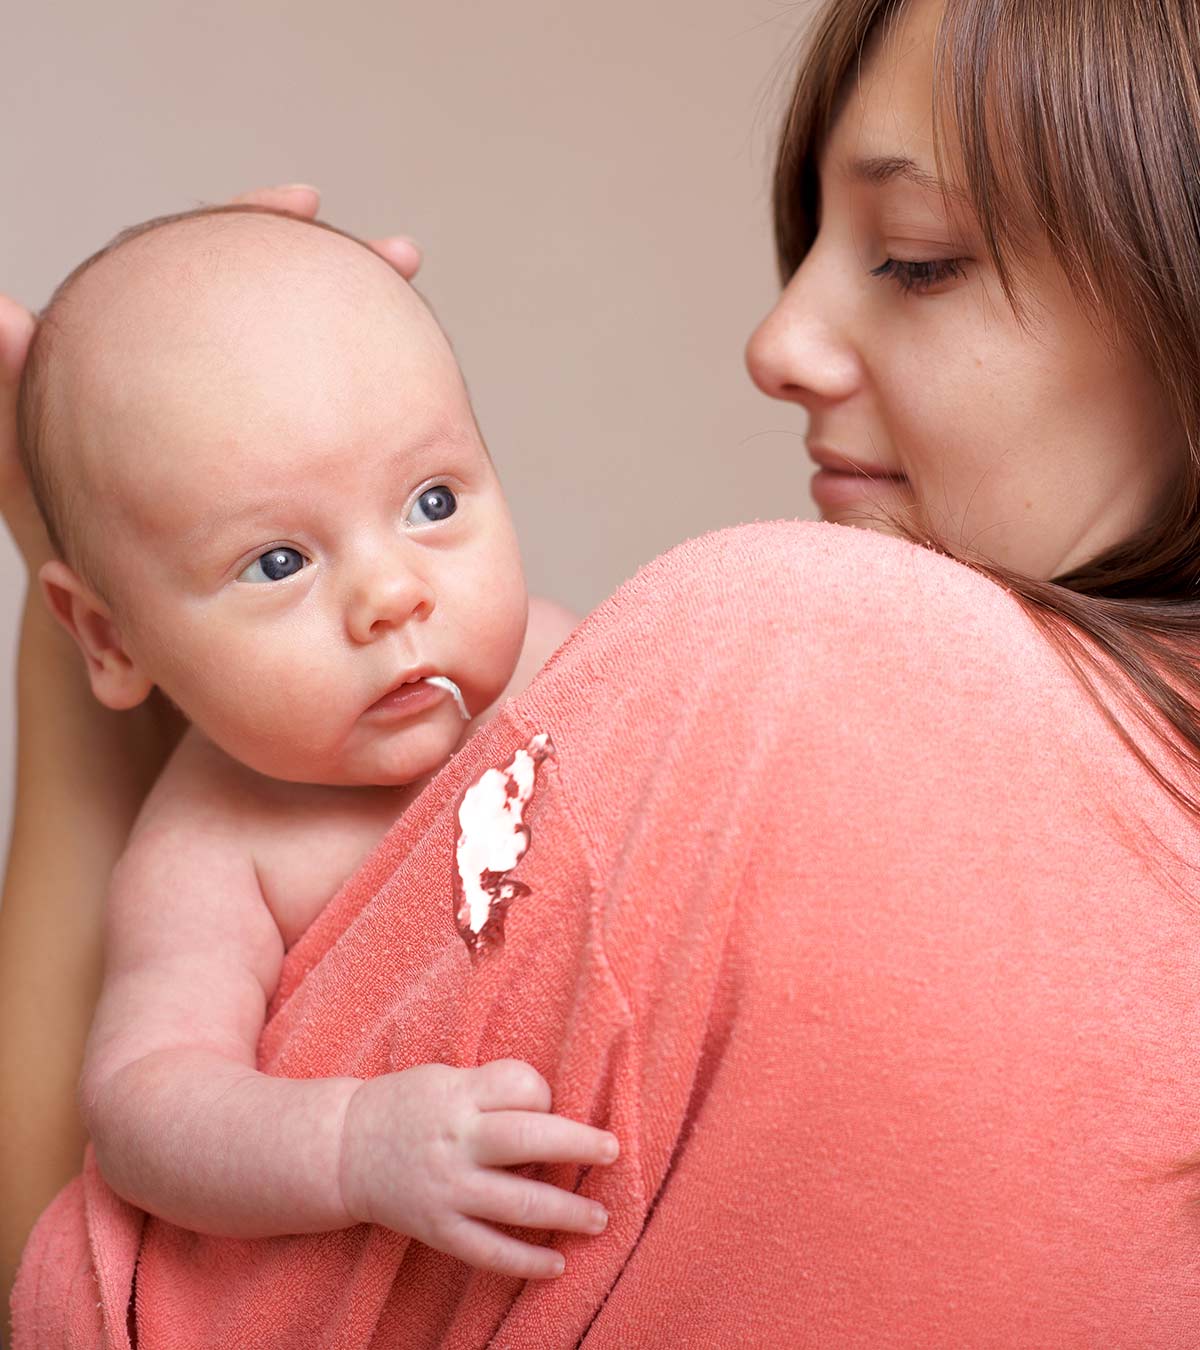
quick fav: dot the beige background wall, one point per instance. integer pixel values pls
(590, 182)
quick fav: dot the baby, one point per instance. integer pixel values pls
(255, 451)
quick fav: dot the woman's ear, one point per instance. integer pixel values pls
(117, 682)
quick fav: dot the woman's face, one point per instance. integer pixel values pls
(1038, 448)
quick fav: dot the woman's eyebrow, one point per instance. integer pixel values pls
(878, 170)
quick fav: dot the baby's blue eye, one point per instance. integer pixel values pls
(435, 503)
(277, 565)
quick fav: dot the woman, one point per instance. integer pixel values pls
(872, 922)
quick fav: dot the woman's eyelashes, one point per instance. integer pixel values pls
(433, 505)
(919, 276)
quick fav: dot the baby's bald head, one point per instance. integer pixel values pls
(169, 318)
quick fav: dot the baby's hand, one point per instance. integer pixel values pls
(423, 1152)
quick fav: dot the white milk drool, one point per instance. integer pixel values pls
(492, 839)
(443, 682)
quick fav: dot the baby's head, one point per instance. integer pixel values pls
(256, 453)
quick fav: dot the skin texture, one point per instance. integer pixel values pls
(1039, 449)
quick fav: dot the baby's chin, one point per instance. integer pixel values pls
(393, 759)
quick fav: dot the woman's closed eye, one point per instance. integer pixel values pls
(919, 276)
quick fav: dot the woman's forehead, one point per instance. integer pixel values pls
(883, 134)
(887, 107)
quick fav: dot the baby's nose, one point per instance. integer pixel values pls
(387, 594)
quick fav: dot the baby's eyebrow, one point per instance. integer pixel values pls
(213, 530)
(879, 170)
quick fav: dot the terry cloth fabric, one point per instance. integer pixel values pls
(848, 912)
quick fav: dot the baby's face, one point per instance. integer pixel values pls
(299, 509)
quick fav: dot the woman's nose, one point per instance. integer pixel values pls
(390, 589)
(800, 351)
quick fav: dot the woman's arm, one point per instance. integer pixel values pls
(82, 772)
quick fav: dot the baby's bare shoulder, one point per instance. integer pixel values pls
(201, 786)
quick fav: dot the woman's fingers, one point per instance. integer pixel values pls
(403, 253)
(511, 1138)
(505, 1197)
(299, 198)
(16, 499)
(483, 1247)
(16, 328)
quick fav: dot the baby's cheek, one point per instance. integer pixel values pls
(501, 640)
(284, 702)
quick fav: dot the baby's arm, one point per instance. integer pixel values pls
(185, 1127)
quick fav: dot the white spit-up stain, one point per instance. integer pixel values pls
(492, 839)
(444, 682)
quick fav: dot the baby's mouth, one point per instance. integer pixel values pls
(416, 693)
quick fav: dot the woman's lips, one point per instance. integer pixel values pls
(830, 488)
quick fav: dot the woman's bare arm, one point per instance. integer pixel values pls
(82, 772)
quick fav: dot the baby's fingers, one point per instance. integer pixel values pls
(510, 1138)
(508, 1084)
(504, 1197)
(486, 1249)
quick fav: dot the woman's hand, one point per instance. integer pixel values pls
(302, 200)
(16, 500)
(17, 506)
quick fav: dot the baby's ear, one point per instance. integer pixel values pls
(117, 682)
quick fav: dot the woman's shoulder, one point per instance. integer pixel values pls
(861, 612)
(837, 582)
(847, 552)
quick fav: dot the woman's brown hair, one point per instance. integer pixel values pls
(1078, 120)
